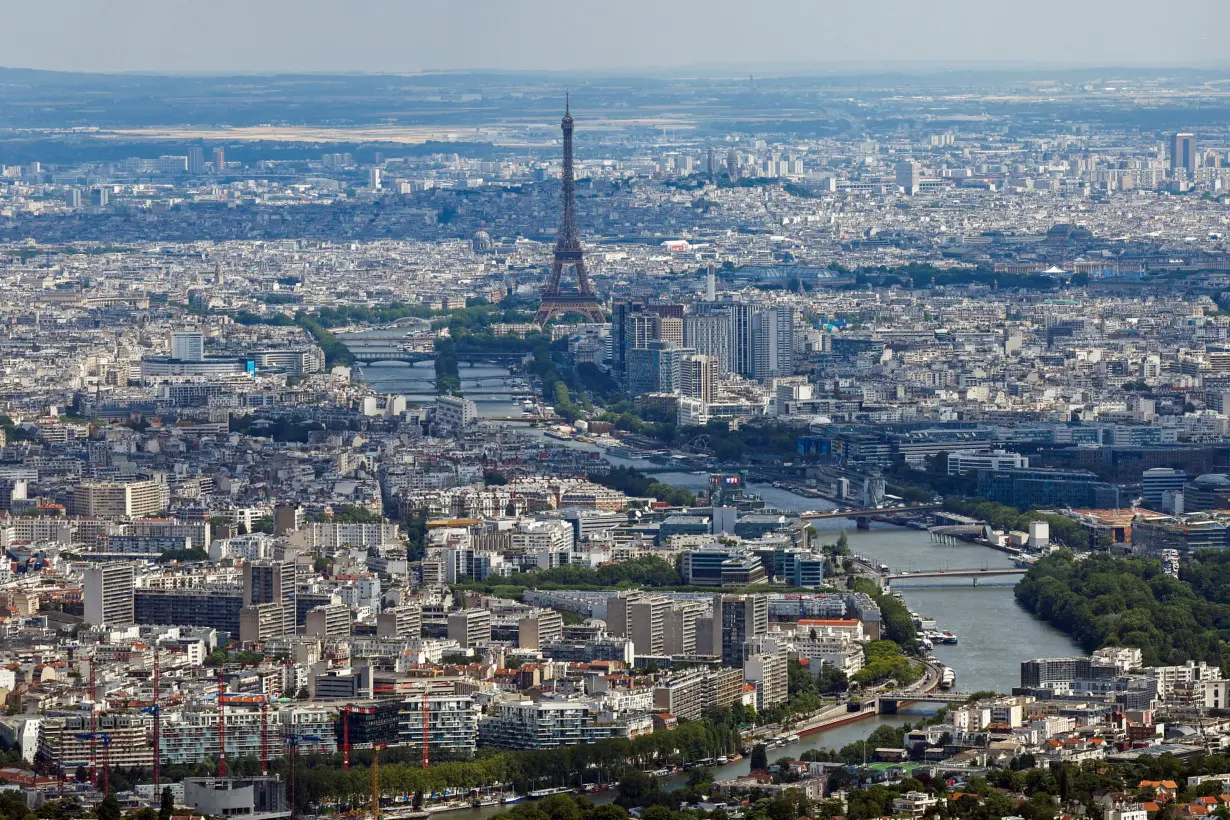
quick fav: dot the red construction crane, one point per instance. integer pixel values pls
(105, 787)
(234, 699)
(265, 737)
(347, 711)
(427, 689)
(426, 725)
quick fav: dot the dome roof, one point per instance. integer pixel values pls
(1213, 480)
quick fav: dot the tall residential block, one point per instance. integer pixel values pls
(1183, 153)
(470, 627)
(108, 593)
(272, 582)
(741, 618)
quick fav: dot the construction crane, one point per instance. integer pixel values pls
(93, 722)
(265, 737)
(221, 723)
(94, 737)
(376, 747)
(292, 754)
(427, 688)
(426, 725)
(232, 699)
(347, 711)
(157, 712)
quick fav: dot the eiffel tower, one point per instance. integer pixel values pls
(557, 301)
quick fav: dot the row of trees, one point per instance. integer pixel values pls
(336, 353)
(565, 807)
(448, 377)
(635, 483)
(1104, 601)
(643, 571)
(805, 693)
(885, 661)
(774, 439)
(917, 275)
(320, 779)
(1063, 529)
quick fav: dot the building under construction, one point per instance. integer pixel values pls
(451, 725)
(188, 735)
(63, 741)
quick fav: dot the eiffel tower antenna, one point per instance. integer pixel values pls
(555, 300)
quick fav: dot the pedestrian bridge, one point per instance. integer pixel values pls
(974, 574)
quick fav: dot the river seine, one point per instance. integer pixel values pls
(994, 633)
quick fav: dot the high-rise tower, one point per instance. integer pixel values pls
(1183, 153)
(555, 300)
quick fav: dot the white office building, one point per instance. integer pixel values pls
(187, 345)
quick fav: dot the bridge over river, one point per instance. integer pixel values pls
(973, 573)
(382, 353)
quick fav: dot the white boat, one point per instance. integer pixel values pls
(512, 798)
(948, 678)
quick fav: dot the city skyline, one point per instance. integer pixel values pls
(311, 447)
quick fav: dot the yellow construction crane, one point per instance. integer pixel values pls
(376, 747)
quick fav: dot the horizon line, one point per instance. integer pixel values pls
(841, 68)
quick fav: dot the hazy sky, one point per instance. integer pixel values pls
(410, 35)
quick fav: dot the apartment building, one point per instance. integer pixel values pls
(741, 618)
(690, 694)
(403, 622)
(260, 623)
(272, 582)
(526, 724)
(679, 628)
(120, 499)
(452, 723)
(108, 592)
(62, 743)
(215, 608)
(766, 668)
(190, 736)
(329, 621)
(455, 412)
(542, 627)
(334, 536)
(470, 627)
